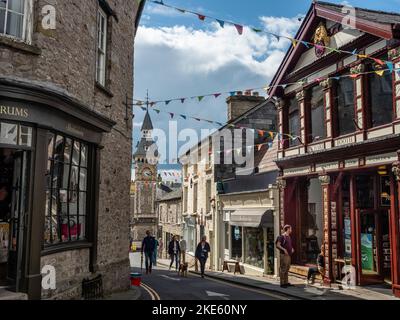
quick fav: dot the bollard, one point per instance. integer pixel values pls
(136, 279)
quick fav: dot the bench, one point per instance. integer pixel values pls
(228, 262)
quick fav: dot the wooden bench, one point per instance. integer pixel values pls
(228, 262)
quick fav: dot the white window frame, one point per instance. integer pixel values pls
(101, 48)
(27, 25)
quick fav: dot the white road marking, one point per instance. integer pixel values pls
(216, 294)
(170, 278)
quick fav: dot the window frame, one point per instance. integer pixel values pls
(27, 22)
(311, 137)
(293, 143)
(102, 47)
(337, 130)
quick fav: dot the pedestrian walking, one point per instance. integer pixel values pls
(156, 244)
(319, 269)
(284, 245)
(202, 251)
(182, 244)
(148, 246)
(174, 252)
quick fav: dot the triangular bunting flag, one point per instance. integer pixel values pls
(239, 28)
(362, 56)
(183, 116)
(380, 72)
(156, 110)
(294, 42)
(183, 100)
(181, 10)
(172, 115)
(266, 89)
(271, 144)
(167, 102)
(305, 44)
(201, 17)
(354, 52)
(200, 98)
(152, 104)
(277, 37)
(221, 23)
(143, 108)
(219, 123)
(390, 66)
(271, 134)
(216, 95)
(256, 30)
(259, 146)
(353, 76)
(197, 119)
(379, 61)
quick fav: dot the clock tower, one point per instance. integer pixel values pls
(145, 185)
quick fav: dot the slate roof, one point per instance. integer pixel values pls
(176, 194)
(147, 124)
(141, 147)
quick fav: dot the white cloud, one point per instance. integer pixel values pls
(179, 61)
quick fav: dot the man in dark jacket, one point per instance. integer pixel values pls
(148, 247)
(202, 251)
(174, 251)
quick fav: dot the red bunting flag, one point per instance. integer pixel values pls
(201, 17)
(259, 146)
(239, 28)
(261, 132)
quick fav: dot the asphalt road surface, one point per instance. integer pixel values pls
(163, 284)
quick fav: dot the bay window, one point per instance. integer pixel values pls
(294, 122)
(16, 19)
(66, 191)
(345, 106)
(380, 90)
(318, 125)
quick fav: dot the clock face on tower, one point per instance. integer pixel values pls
(147, 173)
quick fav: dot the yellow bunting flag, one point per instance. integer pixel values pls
(294, 42)
(380, 72)
(362, 56)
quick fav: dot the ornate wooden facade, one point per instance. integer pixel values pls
(357, 162)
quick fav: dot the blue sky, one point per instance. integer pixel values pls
(177, 55)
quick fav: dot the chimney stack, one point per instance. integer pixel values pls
(240, 104)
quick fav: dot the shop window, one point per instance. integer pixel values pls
(66, 192)
(380, 97)
(14, 134)
(294, 122)
(254, 247)
(16, 19)
(318, 125)
(236, 242)
(312, 223)
(345, 106)
(365, 191)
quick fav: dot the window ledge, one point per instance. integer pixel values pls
(19, 45)
(68, 246)
(104, 90)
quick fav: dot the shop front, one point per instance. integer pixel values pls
(250, 232)
(351, 208)
(49, 162)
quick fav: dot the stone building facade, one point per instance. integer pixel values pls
(169, 210)
(71, 81)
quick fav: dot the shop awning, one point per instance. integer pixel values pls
(251, 217)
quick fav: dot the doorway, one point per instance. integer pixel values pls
(14, 174)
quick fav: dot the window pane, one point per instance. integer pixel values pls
(3, 3)
(76, 153)
(8, 133)
(317, 114)
(25, 136)
(294, 119)
(59, 152)
(50, 145)
(345, 103)
(65, 175)
(381, 98)
(2, 19)
(15, 24)
(16, 5)
(84, 155)
(81, 227)
(82, 203)
(83, 180)
(67, 150)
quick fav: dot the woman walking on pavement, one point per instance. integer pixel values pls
(202, 251)
(174, 251)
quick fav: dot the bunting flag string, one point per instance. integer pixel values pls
(295, 42)
(261, 133)
(379, 70)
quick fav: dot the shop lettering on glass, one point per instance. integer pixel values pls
(14, 111)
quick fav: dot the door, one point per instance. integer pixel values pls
(373, 246)
(18, 214)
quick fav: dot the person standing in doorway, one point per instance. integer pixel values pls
(182, 245)
(174, 252)
(148, 247)
(202, 251)
(284, 245)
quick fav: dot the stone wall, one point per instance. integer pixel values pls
(65, 59)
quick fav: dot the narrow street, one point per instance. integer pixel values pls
(163, 284)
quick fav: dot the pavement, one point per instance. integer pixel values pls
(164, 284)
